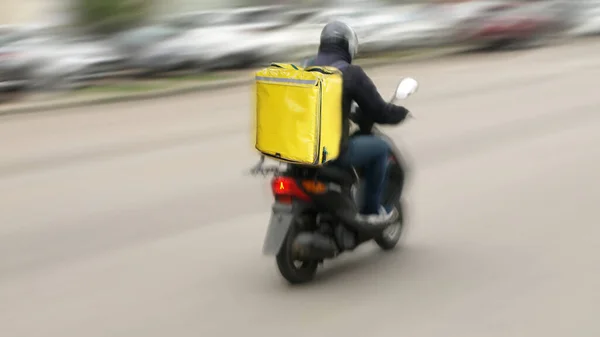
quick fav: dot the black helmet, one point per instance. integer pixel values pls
(340, 34)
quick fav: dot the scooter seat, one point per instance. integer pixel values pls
(335, 174)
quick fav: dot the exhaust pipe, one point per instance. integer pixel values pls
(309, 246)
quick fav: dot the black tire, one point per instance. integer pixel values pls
(291, 272)
(542, 39)
(498, 45)
(386, 242)
(10, 95)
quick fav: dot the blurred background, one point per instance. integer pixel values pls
(70, 44)
(137, 218)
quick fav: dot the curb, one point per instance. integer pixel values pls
(50, 106)
(215, 85)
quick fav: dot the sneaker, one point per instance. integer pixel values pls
(382, 217)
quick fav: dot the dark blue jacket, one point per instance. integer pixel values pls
(360, 88)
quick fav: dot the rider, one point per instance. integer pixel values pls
(338, 47)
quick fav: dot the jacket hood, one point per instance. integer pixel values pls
(329, 53)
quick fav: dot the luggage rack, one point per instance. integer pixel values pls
(261, 169)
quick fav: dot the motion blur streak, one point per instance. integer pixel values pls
(136, 219)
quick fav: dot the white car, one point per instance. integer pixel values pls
(46, 62)
(302, 40)
(587, 18)
(205, 49)
(415, 26)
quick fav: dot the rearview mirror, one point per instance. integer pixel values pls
(406, 87)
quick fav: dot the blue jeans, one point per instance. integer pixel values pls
(369, 153)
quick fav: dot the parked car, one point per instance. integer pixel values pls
(509, 24)
(238, 19)
(302, 39)
(412, 26)
(133, 42)
(161, 57)
(36, 58)
(14, 64)
(229, 38)
(98, 58)
(586, 17)
(219, 49)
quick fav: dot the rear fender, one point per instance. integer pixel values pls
(283, 217)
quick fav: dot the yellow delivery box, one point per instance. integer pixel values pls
(298, 113)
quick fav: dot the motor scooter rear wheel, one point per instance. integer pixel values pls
(293, 270)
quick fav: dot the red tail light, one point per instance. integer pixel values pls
(285, 189)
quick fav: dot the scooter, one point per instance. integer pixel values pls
(315, 214)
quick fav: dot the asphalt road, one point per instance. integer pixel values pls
(137, 219)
